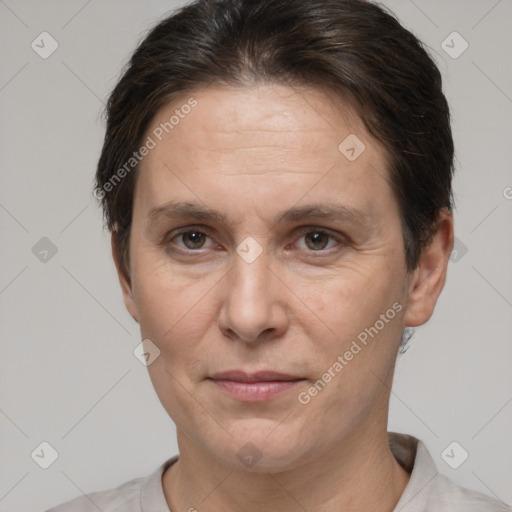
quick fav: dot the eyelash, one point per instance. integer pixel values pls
(205, 231)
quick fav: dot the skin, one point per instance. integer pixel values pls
(251, 153)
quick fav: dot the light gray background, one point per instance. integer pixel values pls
(68, 374)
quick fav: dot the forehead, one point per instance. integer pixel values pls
(259, 140)
(231, 115)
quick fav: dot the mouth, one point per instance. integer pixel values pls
(261, 376)
(254, 387)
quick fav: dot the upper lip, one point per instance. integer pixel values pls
(261, 376)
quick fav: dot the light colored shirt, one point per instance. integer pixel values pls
(426, 491)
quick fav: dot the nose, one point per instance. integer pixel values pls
(254, 302)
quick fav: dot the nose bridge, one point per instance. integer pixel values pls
(250, 285)
(250, 268)
(251, 304)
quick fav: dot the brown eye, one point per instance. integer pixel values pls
(193, 239)
(317, 240)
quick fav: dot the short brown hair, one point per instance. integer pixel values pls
(353, 47)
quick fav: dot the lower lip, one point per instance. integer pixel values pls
(255, 391)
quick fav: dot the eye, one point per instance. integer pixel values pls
(191, 239)
(317, 240)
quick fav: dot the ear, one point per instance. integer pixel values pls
(124, 281)
(430, 275)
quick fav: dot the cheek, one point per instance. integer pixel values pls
(173, 310)
(349, 300)
(365, 318)
(176, 315)
(352, 366)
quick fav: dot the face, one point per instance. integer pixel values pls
(259, 245)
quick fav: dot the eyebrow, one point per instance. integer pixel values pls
(324, 211)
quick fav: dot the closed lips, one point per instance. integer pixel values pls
(260, 376)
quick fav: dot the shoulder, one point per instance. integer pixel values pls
(126, 497)
(446, 495)
(430, 491)
(135, 495)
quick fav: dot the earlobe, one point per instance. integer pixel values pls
(429, 277)
(124, 281)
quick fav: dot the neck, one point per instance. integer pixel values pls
(361, 474)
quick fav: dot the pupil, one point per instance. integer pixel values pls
(195, 238)
(317, 239)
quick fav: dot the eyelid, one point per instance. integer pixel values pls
(319, 229)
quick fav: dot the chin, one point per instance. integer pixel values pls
(261, 446)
